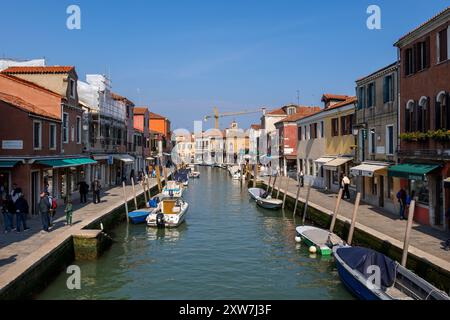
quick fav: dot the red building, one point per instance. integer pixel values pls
(142, 131)
(424, 113)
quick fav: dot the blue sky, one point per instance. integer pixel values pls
(182, 58)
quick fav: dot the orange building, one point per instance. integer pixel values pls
(160, 124)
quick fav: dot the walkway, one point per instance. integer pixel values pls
(425, 242)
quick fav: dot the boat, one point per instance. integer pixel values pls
(356, 267)
(237, 176)
(139, 216)
(171, 212)
(256, 192)
(194, 174)
(173, 189)
(269, 203)
(323, 240)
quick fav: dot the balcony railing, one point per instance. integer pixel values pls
(436, 154)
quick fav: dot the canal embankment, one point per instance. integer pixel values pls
(374, 229)
(29, 265)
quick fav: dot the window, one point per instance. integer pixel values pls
(52, 137)
(442, 112)
(372, 141)
(37, 135)
(371, 95)
(65, 128)
(422, 55)
(346, 125)
(322, 133)
(410, 117)
(388, 89)
(311, 167)
(409, 65)
(78, 130)
(361, 98)
(442, 44)
(291, 111)
(343, 125)
(72, 88)
(335, 127)
(373, 186)
(313, 130)
(299, 133)
(390, 140)
(420, 189)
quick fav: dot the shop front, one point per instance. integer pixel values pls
(424, 182)
(334, 170)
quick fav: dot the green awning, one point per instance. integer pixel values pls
(8, 164)
(411, 171)
(65, 163)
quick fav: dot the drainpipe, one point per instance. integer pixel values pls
(398, 101)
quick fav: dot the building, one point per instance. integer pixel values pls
(142, 125)
(54, 90)
(376, 123)
(326, 142)
(160, 124)
(424, 118)
(288, 138)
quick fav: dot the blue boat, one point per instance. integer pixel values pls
(370, 275)
(139, 216)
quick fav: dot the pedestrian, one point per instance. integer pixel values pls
(302, 178)
(96, 187)
(346, 186)
(44, 209)
(409, 198)
(8, 209)
(69, 212)
(53, 206)
(15, 192)
(22, 209)
(132, 174)
(401, 197)
(84, 190)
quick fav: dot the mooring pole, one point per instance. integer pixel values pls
(134, 194)
(158, 178)
(286, 191)
(268, 185)
(274, 182)
(145, 191)
(305, 209)
(355, 213)
(412, 208)
(336, 209)
(125, 200)
(149, 188)
(279, 187)
(298, 195)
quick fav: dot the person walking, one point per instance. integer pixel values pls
(346, 186)
(96, 187)
(84, 190)
(22, 209)
(8, 209)
(69, 212)
(15, 192)
(401, 197)
(302, 178)
(44, 209)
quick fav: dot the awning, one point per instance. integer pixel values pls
(367, 169)
(150, 158)
(447, 183)
(124, 158)
(323, 160)
(333, 165)
(66, 163)
(101, 157)
(8, 164)
(411, 171)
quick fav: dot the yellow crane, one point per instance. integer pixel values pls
(218, 115)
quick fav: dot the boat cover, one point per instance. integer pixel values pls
(361, 259)
(181, 176)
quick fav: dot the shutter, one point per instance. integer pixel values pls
(374, 94)
(447, 113)
(427, 52)
(437, 116)
(385, 89)
(444, 45)
(407, 120)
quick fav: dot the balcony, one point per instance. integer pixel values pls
(432, 154)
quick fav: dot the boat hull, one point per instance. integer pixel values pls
(170, 220)
(319, 240)
(267, 204)
(139, 216)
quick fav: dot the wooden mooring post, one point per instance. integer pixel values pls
(145, 191)
(286, 191)
(305, 209)
(125, 200)
(255, 174)
(268, 185)
(134, 194)
(158, 178)
(274, 182)
(412, 208)
(355, 213)
(297, 196)
(279, 186)
(336, 209)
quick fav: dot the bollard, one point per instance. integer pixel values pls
(412, 208)
(134, 194)
(336, 209)
(125, 200)
(286, 191)
(355, 213)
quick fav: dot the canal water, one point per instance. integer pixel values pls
(228, 248)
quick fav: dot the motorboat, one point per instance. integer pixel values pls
(323, 240)
(237, 176)
(139, 216)
(269, 203)
(173, 189)
(357, 266)
(171, 212)
(256, 192)
(232, 170)
(194, 174)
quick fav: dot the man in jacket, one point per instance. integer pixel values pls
(44, 208)
(96, 187)
(84, 189)
(22, 209)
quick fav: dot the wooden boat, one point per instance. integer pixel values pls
(323, 240)
(171, 212)
(356, 267)
(173, 189)
(194, 175)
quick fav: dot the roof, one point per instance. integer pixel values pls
(301, 113)
(423, 25)
(140, 110)
(118, 97)
(26, 106)
(329, 96)
(350, 100)
(156, 116)
(50, 69)
(379, 71)
(29, 84)
(256, 126)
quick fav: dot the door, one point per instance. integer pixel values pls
(35, 191)
(381, 194)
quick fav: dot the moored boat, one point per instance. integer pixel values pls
(269, 203)
(139, 216)
(357, 266)
(194, 174)
(173, 189)
(322, 240)
(171, 212)
(256, 193)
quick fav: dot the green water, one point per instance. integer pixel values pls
(228, 248)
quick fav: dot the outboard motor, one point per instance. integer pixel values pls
(160, 223)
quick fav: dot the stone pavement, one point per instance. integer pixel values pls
(425, 241)
(20, 250)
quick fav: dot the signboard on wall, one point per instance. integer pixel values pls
(288, 150)
(12, 144)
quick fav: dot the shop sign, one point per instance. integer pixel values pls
(12, 144)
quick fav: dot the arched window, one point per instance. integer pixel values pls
(425, 111)
(442, 111)
(409, 117)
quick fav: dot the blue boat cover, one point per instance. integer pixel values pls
(361, 259)
(181, 176)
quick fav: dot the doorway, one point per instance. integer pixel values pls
(35, 192)
(381, 197)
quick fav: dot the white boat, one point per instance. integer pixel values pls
(256, 193)
(237, 176)
(186, 183)
(194, 174)
(173, 189)
(322, 239)
(269, 203)
(170, 213)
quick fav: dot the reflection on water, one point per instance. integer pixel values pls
(228, 249)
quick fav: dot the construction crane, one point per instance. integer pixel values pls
(217, 116)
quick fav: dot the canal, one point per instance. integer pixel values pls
(227, 249)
